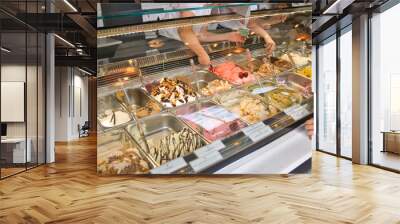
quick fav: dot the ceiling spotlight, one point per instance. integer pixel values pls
(5, 50)
(70, 5)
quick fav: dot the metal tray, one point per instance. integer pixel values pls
(208, 136)
(241, 64)
(117, 143)
(199, 81)
(303, 67)
(150, 85)
(231, 103)
(258, 61)
(264, 83)
(297, 82)
(156, 127)
(107, 103)
(138, 98)
(294, 97)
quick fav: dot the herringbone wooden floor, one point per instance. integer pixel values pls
(69, 191)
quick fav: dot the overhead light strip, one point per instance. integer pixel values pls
(65, 41)
(5, 50)
(337, 5)
(84, 71)
(70, 5)
(331, 7)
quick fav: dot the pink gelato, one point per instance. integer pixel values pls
(220, 132)
(232, 73)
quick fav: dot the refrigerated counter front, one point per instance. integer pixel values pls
(160, 112)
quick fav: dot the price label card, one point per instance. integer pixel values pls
(210, 148)
(170, 167)
(206, 161)
(211, 117)
(262, 90)
(257, 131)
(296, 111)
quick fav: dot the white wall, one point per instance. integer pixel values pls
(70, 83)
(16, 73)
(33, 127)
(61, 104)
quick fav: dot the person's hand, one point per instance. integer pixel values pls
(235, 37)
(282, 18)
(267, 23)
(270, 45)
(204, 59)
(309, 125)
(277, 19)
(266, 26)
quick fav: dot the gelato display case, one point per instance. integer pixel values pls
(161, 111)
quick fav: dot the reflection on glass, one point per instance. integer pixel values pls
(327, 96)
(346, 94)
(22, 90)
(385, 89)
(13, 85)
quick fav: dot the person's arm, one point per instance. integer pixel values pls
(272, 20)
(191, 40)
(269, 43)
(310, 127)
(206, 36)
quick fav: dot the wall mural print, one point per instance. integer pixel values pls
(204, 88)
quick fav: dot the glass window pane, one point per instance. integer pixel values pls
(385, 89)
(13, 87)
(327, 96)
(346, 94)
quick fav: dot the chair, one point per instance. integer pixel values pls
(84, 130)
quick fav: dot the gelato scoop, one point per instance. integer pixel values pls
(233, 73)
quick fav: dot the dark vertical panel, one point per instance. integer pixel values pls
(316, 76)
(45, 93)
(37, 91)
(73, 91)
(338, 76)
(59, 82)
(369, 78)
(0, 95)
(45, 87)
(92, 103)
(26, 86)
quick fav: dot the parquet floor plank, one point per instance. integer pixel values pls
(70, 191)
